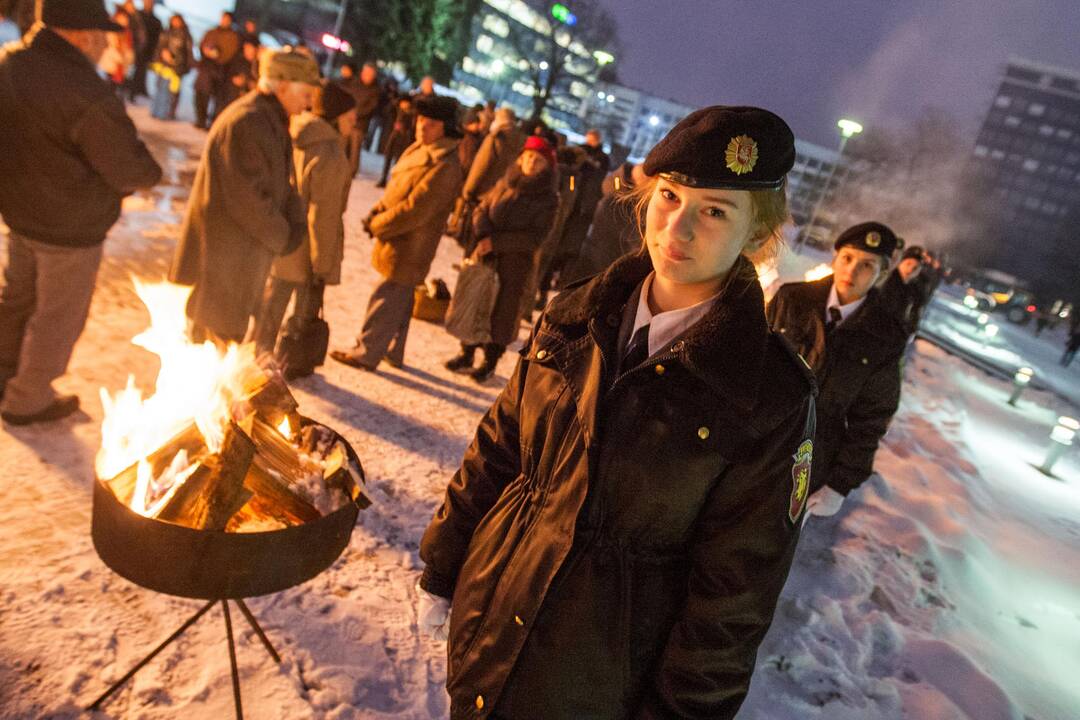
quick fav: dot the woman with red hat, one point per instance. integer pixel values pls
(509, 224)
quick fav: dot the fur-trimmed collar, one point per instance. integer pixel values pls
(725, 349)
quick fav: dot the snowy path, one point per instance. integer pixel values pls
(947, 589)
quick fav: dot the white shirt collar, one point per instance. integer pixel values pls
(845, 310)
(666, 326)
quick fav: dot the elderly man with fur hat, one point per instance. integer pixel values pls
(244, 208)
(852, 338)
(407, 224)
(68, 156)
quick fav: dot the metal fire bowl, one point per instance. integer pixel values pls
(213, 564)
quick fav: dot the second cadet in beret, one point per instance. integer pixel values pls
(854, 339)
(660, 419)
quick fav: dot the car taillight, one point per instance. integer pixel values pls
(1031, 308)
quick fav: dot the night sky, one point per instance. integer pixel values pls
(813, 61)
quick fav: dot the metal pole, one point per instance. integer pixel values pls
(258, 630)
(1052, 456)
(232, 662)
(329, 64)
(179, 631)
(824, 190)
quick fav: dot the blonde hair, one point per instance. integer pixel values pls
(769, 207)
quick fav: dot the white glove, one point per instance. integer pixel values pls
(432, 614)
(823, 503)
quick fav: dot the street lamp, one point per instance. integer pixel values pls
(1061, 439)
(848, 129)
(1021, 380)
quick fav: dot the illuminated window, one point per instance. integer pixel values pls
(1002, 101)
(496, 25)
(1036, 109)
(1046, 130)
(1010, 121)
(981, 151)
(485, 44)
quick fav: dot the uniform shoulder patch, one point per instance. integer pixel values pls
(800, 479)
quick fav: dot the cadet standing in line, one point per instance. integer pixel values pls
(852, 338)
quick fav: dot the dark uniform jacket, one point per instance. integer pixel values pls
(517, 213)
(615, 542)
(68, 151)
(858, 373)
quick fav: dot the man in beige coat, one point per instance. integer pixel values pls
(244, 209)
(407, 224)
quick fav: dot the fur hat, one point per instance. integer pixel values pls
(333, 102)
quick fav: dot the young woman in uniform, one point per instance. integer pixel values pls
(621, 526)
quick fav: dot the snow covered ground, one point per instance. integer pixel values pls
(948, 587)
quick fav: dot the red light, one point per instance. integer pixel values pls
(1031, 308)
(335, 43)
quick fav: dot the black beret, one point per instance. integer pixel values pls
(872, 237)
(440, 107)
(734, 148)
(75, 15)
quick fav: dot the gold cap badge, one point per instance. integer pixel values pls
(873, 239)
(741, 154)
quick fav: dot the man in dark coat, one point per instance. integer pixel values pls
(152, 30)
(68, 155)
(365, 91)
(216, 52)
(244, 208)
(853, 340)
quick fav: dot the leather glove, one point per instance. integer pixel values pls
(432, 614)
(823, 503)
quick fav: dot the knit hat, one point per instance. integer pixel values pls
(333, 102)
(734, 148)
(873, 237)
(288, 65)
(75, 15)
(542, 146)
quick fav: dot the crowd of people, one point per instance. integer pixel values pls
(616, 538)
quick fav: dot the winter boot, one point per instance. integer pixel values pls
(492, 353)
(463, 361)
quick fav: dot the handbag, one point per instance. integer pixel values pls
(303, 345)
(430, 301)
(469, 316)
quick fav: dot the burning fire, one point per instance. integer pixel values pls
(818, 271)
(197, 383)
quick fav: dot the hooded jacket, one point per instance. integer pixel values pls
(615, 540)
(323, 180)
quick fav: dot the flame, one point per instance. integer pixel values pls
(285, 428)
(197, 383)
(818, 271)
(767, 274)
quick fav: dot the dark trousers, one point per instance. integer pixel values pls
(515, 271)
(386, 324)
(276, 299)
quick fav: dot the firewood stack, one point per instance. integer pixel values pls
(263, 478)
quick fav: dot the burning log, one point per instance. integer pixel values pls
(275, 498)
(215, 492)
(189, 439)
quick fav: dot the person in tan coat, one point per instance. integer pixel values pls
(323, 179)
(407, 224)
